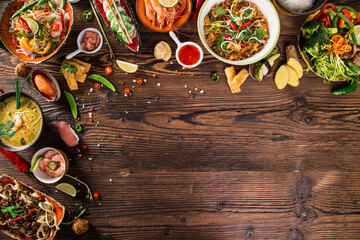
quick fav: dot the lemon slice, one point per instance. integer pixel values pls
(33, 25)
(59, 3)
(127, 67)
(168, 3)
(36, 163)
(67, 188)
(357, 33)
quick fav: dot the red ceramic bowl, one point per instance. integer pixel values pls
(140, 10)
(5, 35)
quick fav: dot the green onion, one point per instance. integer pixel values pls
(18, 89)
(89, 194)
(72, 104)
(102, 80)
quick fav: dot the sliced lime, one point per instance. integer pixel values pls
(357, 33)
(59, 3)
(36, 163)
(33, 25)
(127, 67)
(168, 3)
(67, 188)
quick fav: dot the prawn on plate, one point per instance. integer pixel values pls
(162, 17)
(53, 164)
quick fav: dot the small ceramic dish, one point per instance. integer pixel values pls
(43, 176)
(79, 41)
(180, 45)
(283, 9)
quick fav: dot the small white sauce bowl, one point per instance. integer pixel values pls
(43, 176)
(180, 45)
(79, 40)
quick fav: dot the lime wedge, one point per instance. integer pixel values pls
(67, 188)
(168, 3)
(357, 33)
(36, 163)
(127, 67)
(59, 3)
(33, 25)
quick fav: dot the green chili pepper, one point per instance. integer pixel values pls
(331, 15)
(24, 8)
(347, 88)
(72, 103)
(335, 22)
(53, 168)
(347, 8)
(52, 6)
(78, 127)
(346, 20)
(215, 76)
(102, 80)
(41, 2)
(88, 15)
(353, 68)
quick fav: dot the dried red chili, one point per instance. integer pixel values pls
(91, 109)
(20, 163)
(80, 155)
(96, 195)
(139, 81)
(108, 70)
(97, 85)
(154, 75)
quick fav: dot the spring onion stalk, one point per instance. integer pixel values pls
(89, 194)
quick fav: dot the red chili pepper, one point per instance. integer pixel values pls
(243, 45)
(96, 195)
(29, 212)
(346, 13)
(341, 23)
(327, 7)
(183, 68)
(16, 219)
(154, 75)
(91, 109)
(1, 90)
(358, 18)
(25, 24)
(63, 23)
(80, 155)
(91, 120)
(228, 37)
(14, 41)
(90, 169)
(139, 81)
(244, 25)
(232, 24)
(126, 90)
(83, 146)
(20, 163)
(55, 26)
(123, 82)
(328, 22)
(318, 16)
(179, 73)
(199, 3)
(46, 9)
(108, 70)
(97, 85)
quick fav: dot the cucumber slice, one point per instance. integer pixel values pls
(33, 25)
(36, 163)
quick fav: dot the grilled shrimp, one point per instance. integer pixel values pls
(161, 14)
(43, 164)
(49, 154)
(57, 162)
(57, 33)
(18, 122)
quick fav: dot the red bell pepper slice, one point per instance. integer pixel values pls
(244, 25)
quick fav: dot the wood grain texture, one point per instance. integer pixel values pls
(263, 164)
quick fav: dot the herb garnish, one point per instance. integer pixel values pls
(89, 194)
(6, 130)
(18, 89)
(220, 11)
(259, 33)
(68, 68)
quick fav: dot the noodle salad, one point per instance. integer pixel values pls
(39, 27)
(26, 214)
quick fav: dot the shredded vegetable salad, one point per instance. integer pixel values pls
(38, 27)
(236, 29)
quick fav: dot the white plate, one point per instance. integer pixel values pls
(269, 12)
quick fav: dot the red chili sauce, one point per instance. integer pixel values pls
(189, 55)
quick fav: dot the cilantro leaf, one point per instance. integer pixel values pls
(3, 130)
(220, 11)
(243, 36)
(71, 69)
(10, 124)
(247, 13)
(259, 33)
(219, 42)
(10, 134)
(64, 66)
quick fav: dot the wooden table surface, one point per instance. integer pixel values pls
(170, 162)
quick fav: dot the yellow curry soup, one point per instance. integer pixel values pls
(19, 127)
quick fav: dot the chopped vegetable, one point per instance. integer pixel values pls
(88, 15)
(126, 90)
(139, 81)
(108, 70)
(96, 195)
(215, 76)
(97, 85)
(350, 87)
(102, 80)
(78, 127)
(72, 104)
(54, 26)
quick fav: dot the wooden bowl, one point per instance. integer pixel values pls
(5, 34)
(317, 5)
(140, 11)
